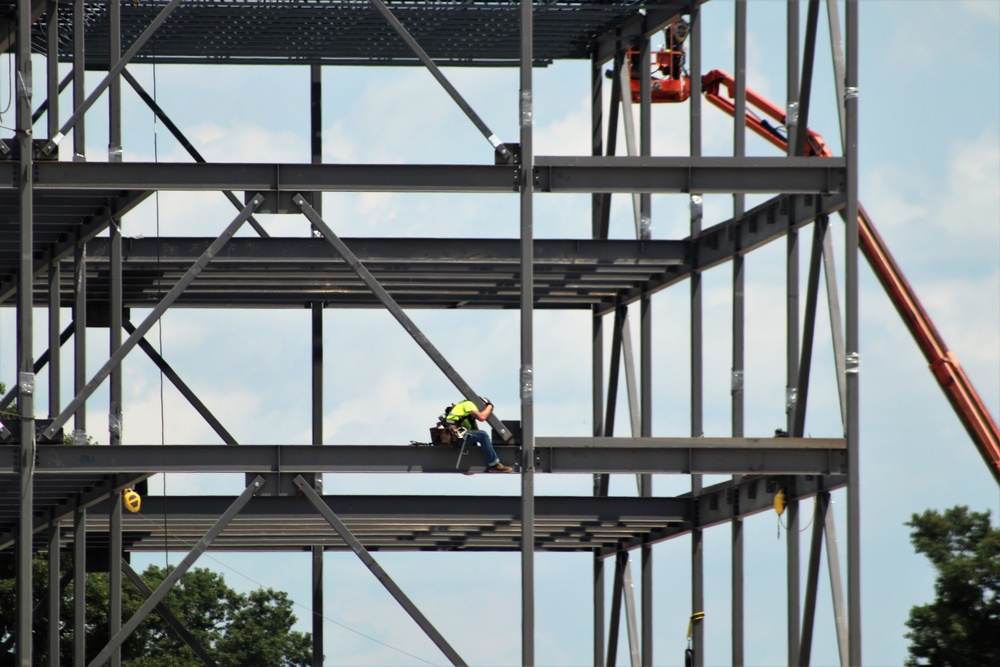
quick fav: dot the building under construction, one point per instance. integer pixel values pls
(62, 251)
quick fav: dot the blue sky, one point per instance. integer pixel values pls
(930, 178)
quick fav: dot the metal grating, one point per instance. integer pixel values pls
(452, 32)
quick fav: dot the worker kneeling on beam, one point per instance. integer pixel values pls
(461, 420)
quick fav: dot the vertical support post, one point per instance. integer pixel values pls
(115, 436)
(851, 338)
(79, 336)
(527, 342)
(792, 333)
(55, 591)
(79, 84)
(115, 85)
(79, 587)
(646, 354)
(115, 334)
(697, 556)
(317, 420)
(597, 345)
(52, 65)
(25, 353)
(55, 355)
(739, 336)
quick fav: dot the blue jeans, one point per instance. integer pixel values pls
(482, 438)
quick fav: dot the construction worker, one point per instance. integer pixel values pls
(464, 416)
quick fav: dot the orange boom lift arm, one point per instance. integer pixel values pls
(956, 385)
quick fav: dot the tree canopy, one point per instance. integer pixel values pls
(962, 625)
(253, 630)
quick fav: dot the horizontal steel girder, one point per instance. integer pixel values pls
(552, 174)
(554, 455)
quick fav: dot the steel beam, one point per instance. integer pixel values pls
(631, 623)
(585, 174)
(707, 175)
(376, 569)
(822, 504)
(40, 363)
(255, 177)
(161, 591)
(774, 456)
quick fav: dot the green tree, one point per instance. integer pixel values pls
(236, 629)
(962, 625)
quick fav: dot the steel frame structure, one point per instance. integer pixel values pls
(54, 254)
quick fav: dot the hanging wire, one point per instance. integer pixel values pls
(191, 545)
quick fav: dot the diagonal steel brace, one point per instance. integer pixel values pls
(178, 572)
(167, 616)
(188, 146)
(390, 304)
(437, 74)
(155, 315)
(113, 73)
(377, 570)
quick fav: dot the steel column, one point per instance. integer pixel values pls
(80, 339)
(52, 65)
(317, 434)
(809, 327)
(55, 340)
(79, 81)
(376, 569)
(114, 83)
(79, 586)
(852, 330)
(161, 591)
(697, 429)
(54, 596)
(526, 183)
(621, 558)
(739, 335)
(792, 331)
(25, 331)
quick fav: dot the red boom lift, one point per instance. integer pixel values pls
(955, 384)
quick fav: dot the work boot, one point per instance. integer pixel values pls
(499, 467)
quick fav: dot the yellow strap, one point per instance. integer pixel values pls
(697, 616)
